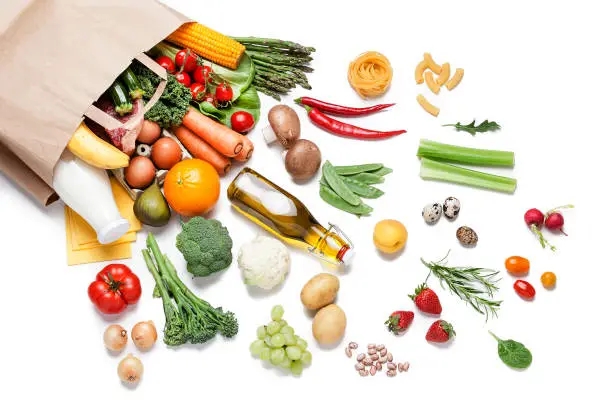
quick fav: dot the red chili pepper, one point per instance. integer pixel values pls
(339, 109)
(345, 129)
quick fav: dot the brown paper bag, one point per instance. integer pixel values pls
(58, 56)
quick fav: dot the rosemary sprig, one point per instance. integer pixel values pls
(472, 128)
(475, 286)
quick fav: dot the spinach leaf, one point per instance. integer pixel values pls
(513, 353)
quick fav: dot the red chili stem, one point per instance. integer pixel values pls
(339, 109)
(344, 129)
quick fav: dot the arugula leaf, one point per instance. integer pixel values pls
(472, 128)
(513, 353)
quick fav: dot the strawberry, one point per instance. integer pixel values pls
(440, 332)
(426, 300)
(399, 321)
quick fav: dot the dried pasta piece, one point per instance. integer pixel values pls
(419, 70)
(431, 64)
(444, 74)
(431, 82)
(454, 81)
(370, 74)
(433, 110)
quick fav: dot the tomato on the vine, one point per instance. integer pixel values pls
(224, 93)
(183, 78)
(115, 287)
(524, 289)
(198, 91)
(242, 121)
(166, 63)
(201, 74)
(186, 60)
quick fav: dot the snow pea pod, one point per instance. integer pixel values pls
(359, 188)
(338, 185)
(356, 169)
(330, 197)
(368, 178)
(382, 171)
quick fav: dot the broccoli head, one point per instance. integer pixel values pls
(206, 246)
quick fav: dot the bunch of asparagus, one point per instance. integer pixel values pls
(279, 65)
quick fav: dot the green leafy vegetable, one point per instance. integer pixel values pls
(248, 102)
(169, 111)
(435, 170)
(206, 246)
(472, 128)
(475, 286)
(513, 353)
(465, 155)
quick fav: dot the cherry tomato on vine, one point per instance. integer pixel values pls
(517, 265)
(166, 63)
(242, 121)
(201, 74)
(186, 60)
(198, 91)
(183, 78)
(224, 93)
(524, 289)
(115, 287)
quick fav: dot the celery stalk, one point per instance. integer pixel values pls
(435, 170)
(465, 155)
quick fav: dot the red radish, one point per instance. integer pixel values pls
(554, 219)
(534, 219)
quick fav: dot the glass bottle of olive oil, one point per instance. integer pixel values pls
(285, 216)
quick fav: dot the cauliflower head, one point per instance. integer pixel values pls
(206, 246)
(264, 262)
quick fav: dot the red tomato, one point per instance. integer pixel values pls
(242, 121)
(210, 98)
(224, 93)
(115, 287)
(524, 289)
(202, 74)
(183, 78)
(186, 60)
(198, 91)
(166, 62)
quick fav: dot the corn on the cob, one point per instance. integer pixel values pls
(208, 44)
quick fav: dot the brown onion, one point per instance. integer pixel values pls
(144, 335)
(130, 369)
(115, 337)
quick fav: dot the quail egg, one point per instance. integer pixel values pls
(432, 212)
(451, 208)
(467, 236)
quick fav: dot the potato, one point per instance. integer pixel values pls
(320, 291)
(328, 325)
(390, 236)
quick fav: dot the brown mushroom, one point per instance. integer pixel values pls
(303, 159)
(284, 126)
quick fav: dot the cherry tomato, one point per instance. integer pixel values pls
(224, 93)
(524, 289)
(183, 78)
(198, 91)
(115, 287)
(202, 74)
(210, 98)
(549, 280)
(186, 60)
(242, 121)
(166, 62)
(517, 265)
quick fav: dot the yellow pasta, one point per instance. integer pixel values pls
(433, 110)
(419, 70)
(370, 74)
(431, 82)
(454, 81)
(431, 64)
(444, 74)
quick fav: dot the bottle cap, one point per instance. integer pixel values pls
(347, 256)
(113, 231)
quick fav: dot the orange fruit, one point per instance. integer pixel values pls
(549, 280)
(192, 187)
(517, 265)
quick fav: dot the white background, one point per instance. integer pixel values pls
(541, 69)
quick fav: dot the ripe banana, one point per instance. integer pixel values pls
(91, 149)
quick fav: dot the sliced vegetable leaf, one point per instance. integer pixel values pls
(513, 353)
(472, 128)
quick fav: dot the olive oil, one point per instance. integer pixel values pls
(285, 216)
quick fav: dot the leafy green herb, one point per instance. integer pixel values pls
(513, 353)
(475, 286)
(472, 128)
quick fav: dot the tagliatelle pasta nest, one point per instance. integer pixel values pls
(370, 74)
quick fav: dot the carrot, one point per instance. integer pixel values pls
(202, 150)
(247, 150)
(220, 137)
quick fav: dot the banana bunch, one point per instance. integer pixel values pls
(91, 149)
